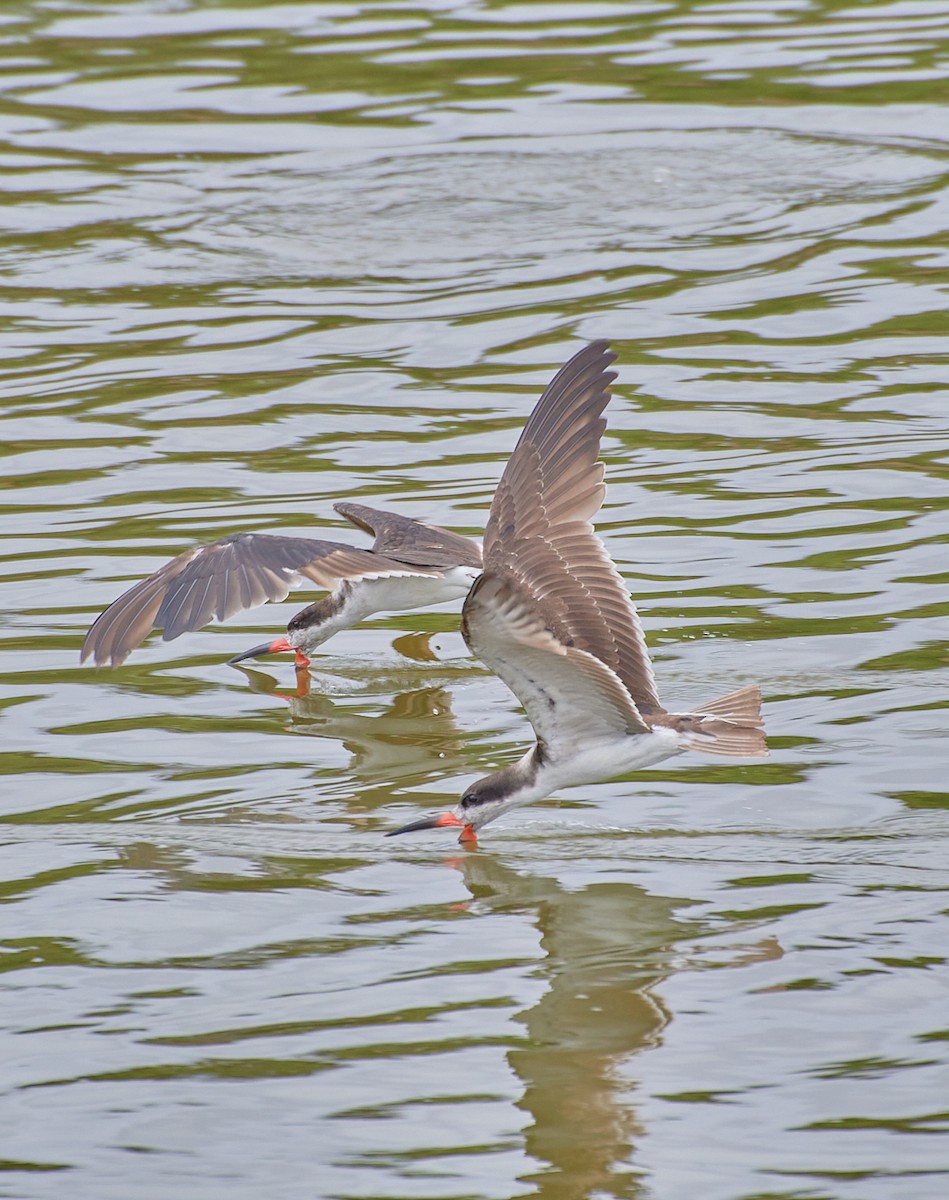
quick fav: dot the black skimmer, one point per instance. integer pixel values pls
(411, 565)
(551, 616)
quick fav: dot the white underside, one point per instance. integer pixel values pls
(598, 761)
(607, 758)
(389, 593)
(401, 593)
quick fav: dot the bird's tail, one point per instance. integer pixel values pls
(730, 725)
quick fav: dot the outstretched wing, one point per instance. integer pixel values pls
(216, 581)
(539, 534)
(570, 697)
(413, 542)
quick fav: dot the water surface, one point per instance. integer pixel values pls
(259, 257)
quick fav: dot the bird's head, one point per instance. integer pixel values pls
(311, 627)
(482, 802)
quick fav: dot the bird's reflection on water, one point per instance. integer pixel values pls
(413, 740)
(607, 945)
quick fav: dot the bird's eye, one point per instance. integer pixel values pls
(467, 799)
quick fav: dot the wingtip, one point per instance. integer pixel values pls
(98, 656)
(600, 347)
(87, 658)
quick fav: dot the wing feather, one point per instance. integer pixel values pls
(349, 562)
(539, 533)
(414, 542)
(570, 697)
(221, 579)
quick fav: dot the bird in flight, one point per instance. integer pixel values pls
(551, 616)
(410, 565)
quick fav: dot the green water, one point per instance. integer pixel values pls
(258, 257)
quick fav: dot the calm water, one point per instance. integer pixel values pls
(257, 257)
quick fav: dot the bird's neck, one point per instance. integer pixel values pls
(520, 783)
(318, 622)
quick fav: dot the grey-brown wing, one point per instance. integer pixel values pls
(570, 696)
(215, 582)
(414, 542)
(539, 532)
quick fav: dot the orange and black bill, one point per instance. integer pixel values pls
(279, 646)
(436, 822)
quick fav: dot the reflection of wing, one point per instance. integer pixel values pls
(219, 580)
(411, 541)
(540, 543)
(570, 697)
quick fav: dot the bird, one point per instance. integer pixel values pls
(411, 565)
(551, 617)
